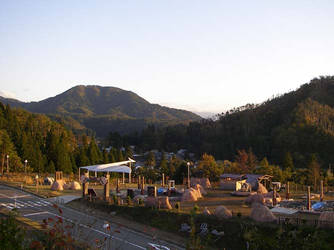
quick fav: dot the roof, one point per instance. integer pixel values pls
(232, 176)
(102, 168)
(111, 167)
(251, 178)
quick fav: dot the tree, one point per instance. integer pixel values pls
(105, 156)
(51, 167)
(163, 164)
(128, 152)
(120, 156)
(150, 160)
(93, 153)
(251, 160)
(7, 148)
(288, 162)
(112, 157)
(207, 167)
(314, 171)
(241, 159)
(264, 162)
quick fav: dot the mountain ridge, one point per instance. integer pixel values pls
(87, 103)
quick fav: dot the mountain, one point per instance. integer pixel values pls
(300, 122)
(104, 109)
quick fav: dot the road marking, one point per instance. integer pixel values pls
(14, 197)
(39, 213)
(98, 231)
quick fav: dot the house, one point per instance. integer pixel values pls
(235, 181)
(231, 181)
(255, 179)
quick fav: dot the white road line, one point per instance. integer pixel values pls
(98, 231)
(13, 197)
(7, 206)
(39, 213)
(34, 203)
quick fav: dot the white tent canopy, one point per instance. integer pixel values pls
(104, 168)
(118, 167)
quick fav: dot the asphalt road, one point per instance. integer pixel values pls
(83, 227)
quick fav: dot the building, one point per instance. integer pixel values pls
(235, 181)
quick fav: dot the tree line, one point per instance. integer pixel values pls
(46, 145)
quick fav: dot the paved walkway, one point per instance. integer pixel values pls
(63, 199)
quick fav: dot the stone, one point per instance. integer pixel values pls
(261, 213)
(222, 212)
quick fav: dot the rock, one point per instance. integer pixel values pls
(150, 202)
(163, 202)
(222, 212)
(261, 213)
(206, 211)
(75, 185)
(201, 189)
(158, 202)
(204, 182)
(261, 189)
(255, 198)
(58, 185)
(191, 195)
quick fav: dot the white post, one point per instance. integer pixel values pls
(130, 173)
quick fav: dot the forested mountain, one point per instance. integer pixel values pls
(47, 145)
(300, 122)
(105, 109)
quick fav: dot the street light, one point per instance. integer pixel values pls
(188, 164)
(7, 156)
(25, 166)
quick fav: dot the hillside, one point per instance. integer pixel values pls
(300, 122)
(105, 109)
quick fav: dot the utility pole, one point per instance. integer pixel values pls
(7, 156)
(188, 182)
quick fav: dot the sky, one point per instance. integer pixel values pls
(197, 55)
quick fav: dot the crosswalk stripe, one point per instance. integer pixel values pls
(22, 204)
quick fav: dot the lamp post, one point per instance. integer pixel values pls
(7, 156)
(25, 167)
(188, 182)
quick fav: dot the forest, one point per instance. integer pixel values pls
(294, 132)
(299, 123)
(46, 145)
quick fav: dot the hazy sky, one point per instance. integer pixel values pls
(199, 55)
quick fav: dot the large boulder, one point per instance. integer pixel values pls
(190, 195)
(201, 189)
(204, 182)
(255, 198)
(206, 211)
(158, 202)
(151, 202)
(74, 185)
(163, 202)
(139, 197)
(261, 213)
(58, 185)
(222, 212)
(261, 189)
